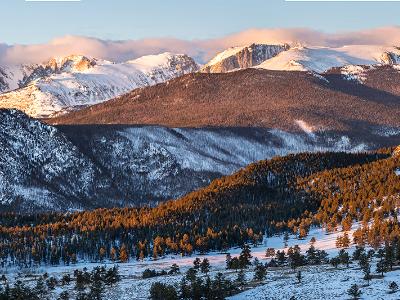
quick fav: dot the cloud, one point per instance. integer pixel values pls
(201, 50)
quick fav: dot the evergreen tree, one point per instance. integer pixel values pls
(389, 255)
(260, 272)
(344, 258)
(205, 266)
(174, 269)
(21, 292)
(196, 263)
(228, 261)
(281, 257)
(381, 267)
(241, 278)
(41, 288)
(161, 291)
(185, 290)
(97, 287)
(123, 254)
(393, 287)
(298, 276)
(112, 276)
(191, 274)
(245, 256)
(296, 259)
(358, 252)
(63, 296)
(354, 292)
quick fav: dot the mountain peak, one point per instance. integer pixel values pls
(243, 57)
(71, 63)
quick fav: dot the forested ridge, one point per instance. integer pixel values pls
(284, 193)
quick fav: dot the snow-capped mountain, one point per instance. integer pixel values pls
(321, 59)
(242, 57)
(301, 58)
(77, 81)
(14, 77)
(43, 167)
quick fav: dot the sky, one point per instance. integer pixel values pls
(118, 30)
(23, 22)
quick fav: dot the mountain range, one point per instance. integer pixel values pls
(76, 81)
(160, 126)
(73, 167)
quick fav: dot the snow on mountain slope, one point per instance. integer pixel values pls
(80, 167)
(18, 76)
(242, 57)
(76, 81)
(321, 59)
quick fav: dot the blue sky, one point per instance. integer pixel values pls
(24, 22)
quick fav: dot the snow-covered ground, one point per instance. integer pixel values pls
(318, 282)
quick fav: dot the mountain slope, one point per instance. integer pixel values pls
(242, 57)
(81, 167)
(289, 101)
(77, 81)
(321, 59)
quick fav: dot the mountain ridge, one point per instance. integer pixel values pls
(76, 81)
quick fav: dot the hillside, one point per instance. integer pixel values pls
(284, 100)
(41, 165)
(263, 198)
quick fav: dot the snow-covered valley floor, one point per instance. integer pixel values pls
(318, 282)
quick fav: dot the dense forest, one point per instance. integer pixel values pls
(285, 193)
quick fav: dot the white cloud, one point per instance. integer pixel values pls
(201, 50)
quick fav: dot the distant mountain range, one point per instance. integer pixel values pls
(73, 82)
(282, 100)
(158, 127)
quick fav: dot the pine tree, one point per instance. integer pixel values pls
(184, 291)
(285, 239)
(191, 274)
(296, 259)
(281, 257)
(245, 256)
(123, 254)
(298, 276)
(97, 287)
(205, 266)
(367, 272)
(260, 272)
(344, 258)
(161, 291)
(241, 278)
(389, 255)
(270, 252)
(21, 292)
(196, 263)
(63, 296)
(393, 287)
(381, 267)
(354, 292)
(40, 288)
(174, 269)
(112, 276)
(228, 261)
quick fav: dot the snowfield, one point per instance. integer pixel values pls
(77, 81)
(318, 282)
(321, 59)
